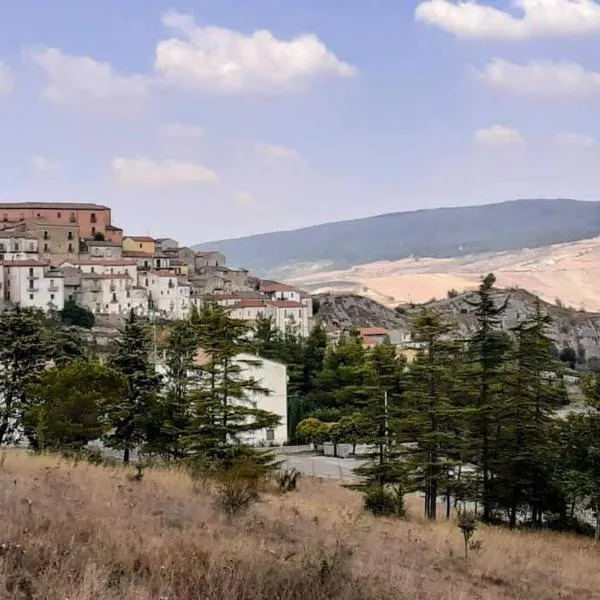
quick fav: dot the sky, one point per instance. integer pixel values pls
(211, 119)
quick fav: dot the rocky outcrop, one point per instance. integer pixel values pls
(577, 329)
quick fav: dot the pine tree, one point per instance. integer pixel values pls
(526, 453)
(380, 401)
(489, 347)
(432, 420)
(132, 416)
(224, 408)
(23, 355)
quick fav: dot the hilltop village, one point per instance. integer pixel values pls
(52, 253)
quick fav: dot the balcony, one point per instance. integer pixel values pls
(30, 276)
(53, 288)
(112, 287)
(33, 289)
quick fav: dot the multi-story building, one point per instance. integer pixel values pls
(98, 249)
(139, 243)
(105, 266)
(18, 245)
(33, 284)
(169, 297)
(91, 220)
(107, 293)
(205, 261)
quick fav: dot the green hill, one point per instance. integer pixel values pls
(439, 233)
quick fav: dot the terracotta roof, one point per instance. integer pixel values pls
(275, 286)
(369, 331)
(139, 238)
(107, 262)
(205, 254)
(105, 276)
(249, 303)
(59, 205)
(114, 228)
(24, 263)
(286, 304)
(162, 273)
(18, 234)
(137, 254)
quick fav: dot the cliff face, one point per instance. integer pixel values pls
(579, 330)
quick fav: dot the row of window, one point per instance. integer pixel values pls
(72, 217)
(69, 235)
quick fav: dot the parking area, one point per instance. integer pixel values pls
(327, 467)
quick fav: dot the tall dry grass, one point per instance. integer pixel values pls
(79, 532)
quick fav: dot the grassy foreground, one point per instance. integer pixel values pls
(80, 532)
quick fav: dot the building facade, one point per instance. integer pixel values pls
(33, 284)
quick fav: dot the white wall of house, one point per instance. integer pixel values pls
(293, 319)
(18, 246)
(31, 285)
(105, 267)
(107, 294)
(169, 301)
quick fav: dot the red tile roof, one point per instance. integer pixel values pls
(137, 254)
(139, 238)
(370, 331)
(275, 286)
(105, 262)
(59, 205)
(248, 303)
(24, 263)
(163, 273)
(286, 304)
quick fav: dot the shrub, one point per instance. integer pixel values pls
(75, 314)
(236, 495)
(384, 502)
(467, 523)
(287, 480)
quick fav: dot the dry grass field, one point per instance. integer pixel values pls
(79, 532)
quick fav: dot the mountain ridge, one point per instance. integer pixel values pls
(443, 232)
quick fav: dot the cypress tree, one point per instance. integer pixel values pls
(23, 355)
(488, 347)
(132, 416)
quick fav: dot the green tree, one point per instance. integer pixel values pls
(489, 348)
(224, 411)
(313, 431)
(68, 404)
(77, 315)
(132, 415)
(432, 419)
(526, 455)
(23, 356)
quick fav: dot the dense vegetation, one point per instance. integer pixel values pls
(442, 232)
(469, 420)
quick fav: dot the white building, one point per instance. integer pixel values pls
(105, 266)
(272, 376)
(169, 296)
(101, 250)
(110, 294)
(33, 284)
(291, 316)
(18, 245)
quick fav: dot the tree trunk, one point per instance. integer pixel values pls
(448, 504)
(126, 455)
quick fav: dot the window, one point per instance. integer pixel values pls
(146, 282)
(5, 217)
(52, 283)
(70, 235)
(93, 231)
(45, 235)
(93, 218)
(46, 248)
(31, 284)
(72, 218)
(39, 215)
(31, 296)
(21, 216)
(30, 271)
(16, 247)
(92, 269)
(31, 247)
(51, 296)
(270, 435)
(141, 246)
(112, 270)
(58, 215)
(70, 247)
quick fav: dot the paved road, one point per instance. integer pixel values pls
(327, 467)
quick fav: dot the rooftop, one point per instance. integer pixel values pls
(286, 304)
(17, 234)
(104, 262)
(163, 273)
(372, 331)
(276, 286)
(205, 254)
(137, 254)
(24, 263)
(249, 303)
(50, 205)
(139, 238)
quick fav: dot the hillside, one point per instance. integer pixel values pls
(436, 233)
(76, 531)
(579, 330)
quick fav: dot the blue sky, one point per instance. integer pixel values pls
(190, 124)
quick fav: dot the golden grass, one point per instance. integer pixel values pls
(79, 532)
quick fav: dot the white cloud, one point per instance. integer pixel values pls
(498, 136)
(219, 59)
(541, 77)
(7, 80)
(83, 81)
(182, 131)
(43, 164)
(275, 151)
(143, 172)
(536, 18)
(575, 141)
(243, 198)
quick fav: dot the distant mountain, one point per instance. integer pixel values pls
(437, 233)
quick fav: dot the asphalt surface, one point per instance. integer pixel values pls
(327, 467)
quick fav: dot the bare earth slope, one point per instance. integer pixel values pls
(570, 272)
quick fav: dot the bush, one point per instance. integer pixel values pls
(74, 314)
(236, 495)
(384, 502)
(287, 480)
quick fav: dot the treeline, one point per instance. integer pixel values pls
(57, 396)
(470, 422)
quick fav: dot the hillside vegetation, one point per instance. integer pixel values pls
(442, 232)
(81, 532)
